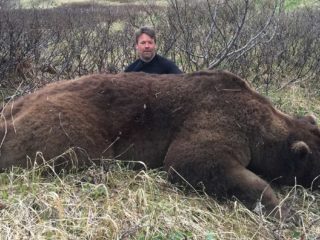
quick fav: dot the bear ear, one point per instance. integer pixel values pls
(301, 149)
(310, 118)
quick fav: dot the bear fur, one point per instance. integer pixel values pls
(209, 128)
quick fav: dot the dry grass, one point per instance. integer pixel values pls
(126, 204)
(55, 3)
(297, 100)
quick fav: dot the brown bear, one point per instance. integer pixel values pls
(207, 127)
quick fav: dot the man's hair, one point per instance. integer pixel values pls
(146, 30)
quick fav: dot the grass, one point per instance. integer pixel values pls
(126, 204)
(296, 100)
(292, 4)
(289, 4)
(55, 3)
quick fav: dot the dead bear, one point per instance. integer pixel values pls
(208, 127)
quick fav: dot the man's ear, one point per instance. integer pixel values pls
(301, 149)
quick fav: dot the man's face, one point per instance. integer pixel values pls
(146, 47)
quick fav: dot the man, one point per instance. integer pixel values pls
(149, 61)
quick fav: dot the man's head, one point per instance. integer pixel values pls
(146, 43)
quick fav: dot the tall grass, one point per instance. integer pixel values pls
(289, 4)
(55, 3)
(126, 204)
(296, 100)
(292, 4)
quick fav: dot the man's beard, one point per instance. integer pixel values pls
(147, 56)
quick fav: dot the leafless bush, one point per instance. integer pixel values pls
(292, 55)
(256, 39)
(212, 33)
(9, 4)
(60, 43)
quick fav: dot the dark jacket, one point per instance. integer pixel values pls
(158, 64)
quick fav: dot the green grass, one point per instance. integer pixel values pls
(292, 4)
(296, 100)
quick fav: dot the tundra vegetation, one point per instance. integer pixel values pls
(273, 44)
